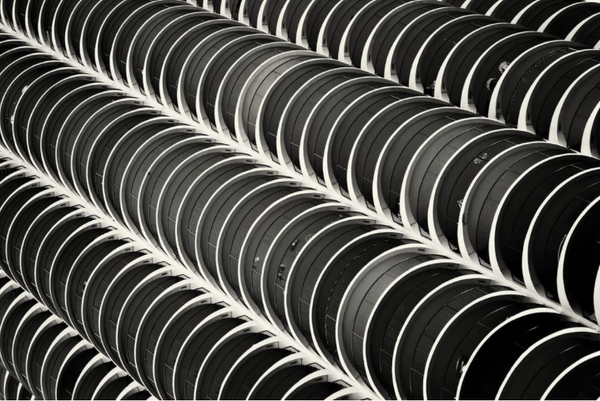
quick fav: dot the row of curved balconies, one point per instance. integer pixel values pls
(42, 357)
(411, 323)
(498, 196)
(170, 335)
(525, 79)
(11, 388)
(307, 21)
(170, 51)
(307, 263)
(528, 80)
(404, 302)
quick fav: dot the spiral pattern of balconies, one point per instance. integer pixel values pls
(220, 213)
(503, 59)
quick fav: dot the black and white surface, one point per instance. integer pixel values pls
(299, 199)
